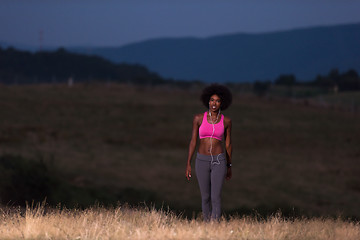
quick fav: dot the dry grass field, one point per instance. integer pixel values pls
(133, 141)
(127, 223)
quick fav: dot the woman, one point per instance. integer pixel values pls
(213, 164)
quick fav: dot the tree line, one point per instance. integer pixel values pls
(22, 67)
(334, 81)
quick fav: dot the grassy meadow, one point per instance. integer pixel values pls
(132, 141)
(128, 223)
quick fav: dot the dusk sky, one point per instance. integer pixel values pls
(115, 23)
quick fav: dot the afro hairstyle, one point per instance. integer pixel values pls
(222, 91)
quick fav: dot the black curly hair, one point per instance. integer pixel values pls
(220, 90)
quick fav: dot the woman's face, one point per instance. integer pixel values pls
(214, 103)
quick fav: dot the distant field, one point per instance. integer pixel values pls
(296, 157)
(349, 99)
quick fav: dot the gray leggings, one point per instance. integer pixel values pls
(210, 174)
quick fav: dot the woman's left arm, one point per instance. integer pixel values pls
(228, 146)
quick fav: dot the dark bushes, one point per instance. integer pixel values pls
(29, 180)
(23, 180)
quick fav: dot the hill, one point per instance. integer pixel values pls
(245, 57)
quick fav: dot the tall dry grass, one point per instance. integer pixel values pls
(127, 223)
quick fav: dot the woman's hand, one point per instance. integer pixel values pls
(229, 173)
(188, 172)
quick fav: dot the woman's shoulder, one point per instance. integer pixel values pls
(198, 117)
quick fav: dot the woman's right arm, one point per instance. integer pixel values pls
(192, 145)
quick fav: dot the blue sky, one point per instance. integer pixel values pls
(115, 23)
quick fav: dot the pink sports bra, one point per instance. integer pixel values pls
(206, 129)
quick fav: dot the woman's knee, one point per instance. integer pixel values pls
(205, 197)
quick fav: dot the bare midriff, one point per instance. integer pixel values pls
(205, 146)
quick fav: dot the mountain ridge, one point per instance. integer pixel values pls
(240, 57)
